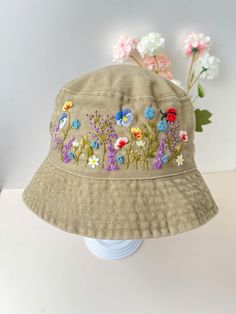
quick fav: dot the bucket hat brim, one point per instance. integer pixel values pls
(111, 209)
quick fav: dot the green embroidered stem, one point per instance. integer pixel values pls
(128, 153)
(104, 153)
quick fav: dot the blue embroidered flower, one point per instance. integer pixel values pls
(62, 120)
(94, 145)
(120, 159)
(71, 155)
(75, 124)
(162, 126)
(165, 159)
(124, 117)
(149, 113)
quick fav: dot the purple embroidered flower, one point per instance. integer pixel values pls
(66, 150)
(111, 158)
(171, 138)
(157, 164)
(62, 120)
(55, 135)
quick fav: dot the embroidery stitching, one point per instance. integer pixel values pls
(159, 142)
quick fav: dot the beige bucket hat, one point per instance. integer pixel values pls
(121, 161)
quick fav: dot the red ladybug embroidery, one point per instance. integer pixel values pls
(170, 114)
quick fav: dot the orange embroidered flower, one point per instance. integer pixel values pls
(67, 105)
(137, 133)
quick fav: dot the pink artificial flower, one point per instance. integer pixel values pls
(196, 43)
(162, 62)
(183, 135)
(123, 48)
(121, 142)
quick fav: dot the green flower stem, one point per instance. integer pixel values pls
(196, 79)
(128, 153)
(104, 153)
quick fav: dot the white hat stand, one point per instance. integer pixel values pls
(112, 249)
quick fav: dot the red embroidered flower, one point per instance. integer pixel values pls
(121, 142)
(183, 135)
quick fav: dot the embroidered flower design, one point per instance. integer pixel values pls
(180, 160)
(149, 113)
(62, 120)
(93, 162)
(76, 143)
(183, 135)
(71, 155)
(120, 159)
(165, 159)
(95, 145)
(162, 126)
(140, 143)
(124, 117)
(75, 124)
(67, 105)
(137, 133)
(121, 142)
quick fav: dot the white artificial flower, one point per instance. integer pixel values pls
(210, 64)
(150, 44)
(140, 143)
(180, 160)
(93, 162)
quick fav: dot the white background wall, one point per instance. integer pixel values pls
(44, 44)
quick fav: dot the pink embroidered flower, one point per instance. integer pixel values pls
(183, 135)
(196, 43)
(121, 142)
(123, 48)
(162, 62)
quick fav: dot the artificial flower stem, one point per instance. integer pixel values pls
(157, 67)
(190, 70)
(196, 79)
(136, 60)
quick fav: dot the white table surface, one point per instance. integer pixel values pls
(46, 270)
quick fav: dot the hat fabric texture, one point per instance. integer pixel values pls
(121, 159)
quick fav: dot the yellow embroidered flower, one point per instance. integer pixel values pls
(137, 133)
(67, 105)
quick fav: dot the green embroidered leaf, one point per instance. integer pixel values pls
(200, 90)
(202, 118)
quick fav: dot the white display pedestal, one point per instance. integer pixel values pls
(112, 249)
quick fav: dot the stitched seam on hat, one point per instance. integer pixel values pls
(121, 179)
(107, 92)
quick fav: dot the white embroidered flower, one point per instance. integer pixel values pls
(180, 160)
(121, 142)
(209, 65)
(183, 135)
(140, 143)
(76, 143)
(150, 44)
(93, 162)
(62, 123)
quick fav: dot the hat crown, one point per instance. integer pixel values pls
(122, 121)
